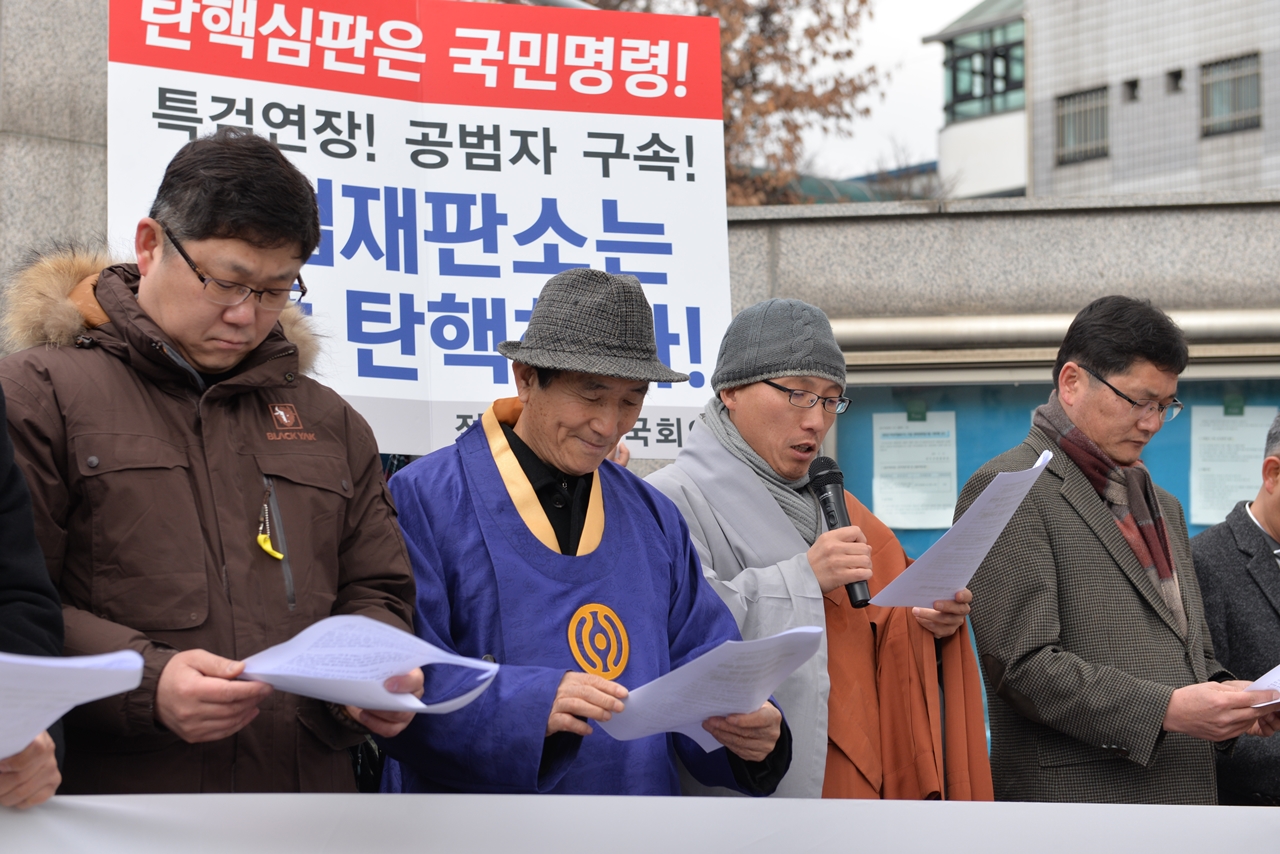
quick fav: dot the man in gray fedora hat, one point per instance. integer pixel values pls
(532, 550)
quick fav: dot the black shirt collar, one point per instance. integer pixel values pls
(564, 497)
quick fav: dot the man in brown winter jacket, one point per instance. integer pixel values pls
(163, 421)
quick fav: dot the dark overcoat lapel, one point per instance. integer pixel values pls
(1262, 562)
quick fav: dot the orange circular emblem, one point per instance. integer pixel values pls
(598, 641)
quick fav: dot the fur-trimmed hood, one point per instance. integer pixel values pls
(49, 301)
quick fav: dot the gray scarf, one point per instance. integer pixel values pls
(801, 507)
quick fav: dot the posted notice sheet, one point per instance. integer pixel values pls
(914, 484)
(734, 678)
(1226, 459)
(36, 690)
(345, 659)
(946, 568)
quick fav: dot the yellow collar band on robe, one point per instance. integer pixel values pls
(507, 411)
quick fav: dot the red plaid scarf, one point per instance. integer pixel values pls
(1128, 493)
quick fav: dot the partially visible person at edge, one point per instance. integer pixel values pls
(196, 496)
(1089, 621)
(533, 550)
(866, 711)
(30, 624)
(1238, 565)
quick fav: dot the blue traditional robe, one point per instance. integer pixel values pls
(630, 605)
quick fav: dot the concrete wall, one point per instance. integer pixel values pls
(1009, 256)
(53, 121)
(1155, 142)
(980, 157)
(1016, 256)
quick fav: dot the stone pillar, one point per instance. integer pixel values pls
(53, 123)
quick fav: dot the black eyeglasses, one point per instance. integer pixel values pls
(808, 400)
(230, 293)
(1141, 408)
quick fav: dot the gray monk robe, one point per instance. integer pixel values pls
(755, 559)
(856, 733)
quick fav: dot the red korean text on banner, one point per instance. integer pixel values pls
(438, 51)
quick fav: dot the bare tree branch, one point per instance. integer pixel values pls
(787, 66)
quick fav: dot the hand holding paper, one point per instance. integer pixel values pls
(30, 777)
(1270, 681)
(947, 615)
(734, 678)
(391, 724)
(35, 691)
(581, 698)
(751, 736)
(946, 568)
(1217, 711)
(346, 659)
(197, 700)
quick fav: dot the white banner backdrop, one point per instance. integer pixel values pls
(462, 154)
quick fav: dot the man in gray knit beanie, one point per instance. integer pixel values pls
(778, 338)
(742, 484)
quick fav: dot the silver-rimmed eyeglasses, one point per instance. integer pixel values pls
(807, 399)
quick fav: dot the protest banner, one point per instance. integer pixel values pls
(462, 154)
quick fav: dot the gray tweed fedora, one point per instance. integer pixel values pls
(592, 322)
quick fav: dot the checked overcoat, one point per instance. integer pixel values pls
(1080, 654)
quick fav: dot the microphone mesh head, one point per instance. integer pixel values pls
(823, 471)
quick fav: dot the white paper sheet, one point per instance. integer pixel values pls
(734, 678)
(1226, 459)
(946, 568)
(345, 659)
(36, 690)
(914, 482)
(1270, 681)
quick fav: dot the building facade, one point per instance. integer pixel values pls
(982, 149)
(1152, 96)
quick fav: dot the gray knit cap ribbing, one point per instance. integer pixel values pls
(778, 338)
(595, 323)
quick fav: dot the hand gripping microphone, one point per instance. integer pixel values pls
(828, 483)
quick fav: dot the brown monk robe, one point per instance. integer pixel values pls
(885, 736)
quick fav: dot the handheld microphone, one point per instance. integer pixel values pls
(828, 482)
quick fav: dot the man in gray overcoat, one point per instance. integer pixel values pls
(1238, 564)
(1100, 670)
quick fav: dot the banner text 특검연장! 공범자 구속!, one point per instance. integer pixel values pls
(461, 154)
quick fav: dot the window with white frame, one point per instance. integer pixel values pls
(1230, 95)
(1082, 126)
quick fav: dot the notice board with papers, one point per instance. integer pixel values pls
(992, 418)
